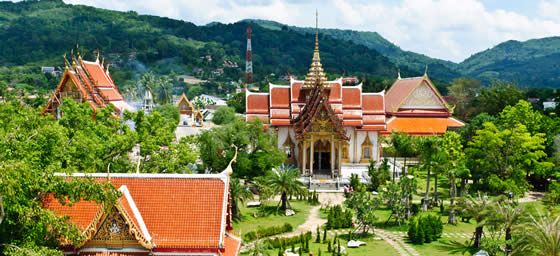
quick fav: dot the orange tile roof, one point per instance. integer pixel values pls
(351, 97)
(421, 125)
(108, 253)
(280, 113)
(257, 103)
(94, 84)
(399, 91)
(232, 245)
(97, 73)
(373, 103)
(182, 211)
(335, 94)
(280, 97)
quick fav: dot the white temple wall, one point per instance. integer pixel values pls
(361, 137)
(351, 147)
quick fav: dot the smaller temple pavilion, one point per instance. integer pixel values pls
(86, 81)
(185, 106)
(414, 106)
(157, 214)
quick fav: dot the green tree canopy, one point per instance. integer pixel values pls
(223, 115)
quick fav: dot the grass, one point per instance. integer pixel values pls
(372, 247)
(272, 218)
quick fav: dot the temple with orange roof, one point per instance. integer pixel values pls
(157, 214)
(86, 81)
(329, 130)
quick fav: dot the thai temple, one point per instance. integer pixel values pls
(329, 130)
(157, 214)
(86, 81)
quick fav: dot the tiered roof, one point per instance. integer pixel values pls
(165, 212)
(93, 82)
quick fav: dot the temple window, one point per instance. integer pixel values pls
(366, 151)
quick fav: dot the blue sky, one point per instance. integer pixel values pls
(447, 29)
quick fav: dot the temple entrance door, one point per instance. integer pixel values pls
(322, 159)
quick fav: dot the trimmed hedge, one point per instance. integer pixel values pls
(265, 232)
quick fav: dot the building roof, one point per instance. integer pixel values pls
(421, 125)
(407, 91)
(172, 211)
(94, 84)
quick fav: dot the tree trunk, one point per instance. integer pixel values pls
(477, 236)
(425, 204)
(463, 184)
(508, 238)
(234, 210)
(284, 199)
(451, 219)
(2, 213)
(394, 166)
(435, 190)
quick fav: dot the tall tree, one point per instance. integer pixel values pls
(31, 149)
(501, 159)
(258, 149)
(506, 216)
(454, 164)
(462, 92)
(431, 154)
(497, 96)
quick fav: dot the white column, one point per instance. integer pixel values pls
(303, 171)
(339, 159)
(332, 156)
(311, 157)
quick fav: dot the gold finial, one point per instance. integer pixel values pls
(229, 170)
(73, 59)
(107, 70)
(426, 70)
(399, 74)
(102, 61)
(78, 51)
(65, 62)
(97, 60)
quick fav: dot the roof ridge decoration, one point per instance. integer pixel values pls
(186, 99)
(431, 86)
(137, 232)
(305, 120)
(316, 75)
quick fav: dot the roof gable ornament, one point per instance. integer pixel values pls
(316, 75)
(426, 71)
(399, 74)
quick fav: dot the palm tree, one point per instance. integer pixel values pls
(540, 237)
(239, 194)
(431, 156)
(283, 181)
(506, 215)
(163, 90)
(477, 208)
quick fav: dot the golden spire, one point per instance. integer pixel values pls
(102, 61)
(316, 76)
(426, 71)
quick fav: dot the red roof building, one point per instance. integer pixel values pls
(157, 214)
(86, 81)
(333, 130)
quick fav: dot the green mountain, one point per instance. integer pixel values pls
(440, 69)
(40, 32)
(533, 63)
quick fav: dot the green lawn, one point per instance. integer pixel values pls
(250, 223)
(372, 247)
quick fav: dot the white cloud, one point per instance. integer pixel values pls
(447, 29)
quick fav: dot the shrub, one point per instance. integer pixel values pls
(425, 229)
(265, 232)
(553, 194)
(337, 218)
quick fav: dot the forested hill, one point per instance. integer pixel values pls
(40, 32)
(442, 69)
(534, 62)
